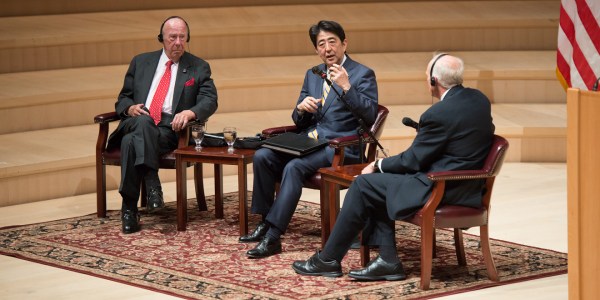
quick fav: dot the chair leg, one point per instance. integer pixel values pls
(426, 254)
(100, 190)
(199, 183)
(487, 253)
(433, 245)
(325, 207)
(218, 171)
(144, 195)
(365, 255)
(460, 247)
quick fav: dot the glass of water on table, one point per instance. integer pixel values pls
(230, 134)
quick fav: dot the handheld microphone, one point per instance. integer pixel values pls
(321, 74)
(410, 123)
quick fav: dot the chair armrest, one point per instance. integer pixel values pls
(106, 117)
(102, 120)
(458, 175)
(269, 132)
(350, 140)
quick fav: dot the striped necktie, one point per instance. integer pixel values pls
(314, 134)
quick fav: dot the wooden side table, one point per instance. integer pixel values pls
(219, 157)
(332, 179)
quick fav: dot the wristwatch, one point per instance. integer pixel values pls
(376, 166)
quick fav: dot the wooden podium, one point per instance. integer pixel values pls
(583, 193)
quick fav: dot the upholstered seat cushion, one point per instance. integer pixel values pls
(454, 216)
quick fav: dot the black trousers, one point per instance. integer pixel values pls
(364, 208)
(142, 144)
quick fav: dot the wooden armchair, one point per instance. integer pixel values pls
(112, 157)
(314, 182)
(433, 216)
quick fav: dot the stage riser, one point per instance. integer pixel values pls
(78, 181)
(505, 76)
(65, 63)
(82, 112)
(522, 149)
(82, 180)
(44, 7)
(99, 39)
(103, 53)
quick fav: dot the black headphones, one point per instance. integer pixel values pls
(160, 36)
(431, 78)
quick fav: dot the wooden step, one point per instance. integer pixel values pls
(42, 7)
(53, 163)
(48, 42)
(72, 97)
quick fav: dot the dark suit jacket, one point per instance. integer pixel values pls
(454, 134)
(334, 119)
(199, 96)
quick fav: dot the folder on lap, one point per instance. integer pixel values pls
(293, 143)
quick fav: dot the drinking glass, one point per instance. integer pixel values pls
(230, 134)
(198, 135)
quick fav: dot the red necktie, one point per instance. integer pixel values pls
(160, 94)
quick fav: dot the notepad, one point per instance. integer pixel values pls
(293, 143)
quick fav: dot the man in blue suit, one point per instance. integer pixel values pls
(319, 119)
(162, 91)
(453, 134)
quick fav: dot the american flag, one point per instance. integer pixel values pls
(578, 55)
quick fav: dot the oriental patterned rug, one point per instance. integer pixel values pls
(207, 262)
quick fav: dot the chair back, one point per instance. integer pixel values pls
(377, 129)
(495, 159)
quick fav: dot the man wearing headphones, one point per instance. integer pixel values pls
(453, 134)
(162, 92)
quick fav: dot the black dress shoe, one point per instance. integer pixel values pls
(379, 269)
(130, 221)
(315, 266)
(155, 199)
(257, 234)
(267, 247)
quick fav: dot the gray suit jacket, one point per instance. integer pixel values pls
(454, 134)
(334, 119)
(194, 88)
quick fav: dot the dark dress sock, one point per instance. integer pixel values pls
(151, 177)
(389, 253)
(274, 232)
(129, 204)
(325, 258)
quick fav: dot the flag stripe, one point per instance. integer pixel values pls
(566, 24)
(565, 81)
(563, 65)
(589, 23)
(578, 45)
(566, 39)
(584, 69)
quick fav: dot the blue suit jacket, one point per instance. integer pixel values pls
(335, 120)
